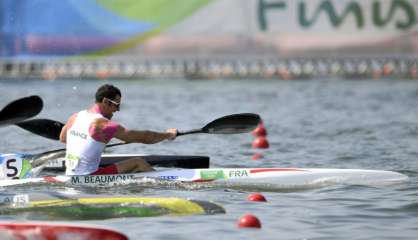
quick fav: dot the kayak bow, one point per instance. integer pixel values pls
(55, 206)
(270, 178)
(54, 231)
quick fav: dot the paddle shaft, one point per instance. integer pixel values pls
(230, 124)
(190, 132)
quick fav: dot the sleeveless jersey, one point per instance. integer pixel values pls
(83, 153)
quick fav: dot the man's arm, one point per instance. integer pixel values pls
(146, 136)
(63, 134)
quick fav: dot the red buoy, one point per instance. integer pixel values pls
(260, 142)
(249, 221)
(256, 197)
(260, 131)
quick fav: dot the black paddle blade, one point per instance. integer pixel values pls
(20, 110)
(231, 124)
(43, 127)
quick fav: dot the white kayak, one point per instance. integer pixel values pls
(178, 161)
(21, 166)
(255, 177)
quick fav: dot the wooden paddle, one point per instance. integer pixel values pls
(20, 110)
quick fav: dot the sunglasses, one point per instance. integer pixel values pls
(117, 104)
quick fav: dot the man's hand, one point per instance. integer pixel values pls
(173, 133)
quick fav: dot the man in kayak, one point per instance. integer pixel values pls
(87, 132)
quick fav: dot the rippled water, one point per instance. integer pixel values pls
(318, 123)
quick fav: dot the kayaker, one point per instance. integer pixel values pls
(87, 132)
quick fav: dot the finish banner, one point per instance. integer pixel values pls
(42, 28)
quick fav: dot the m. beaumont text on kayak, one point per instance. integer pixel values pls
(100, 179)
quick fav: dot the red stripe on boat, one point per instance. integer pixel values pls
(259, 170)
(51, 179)
(203, 180)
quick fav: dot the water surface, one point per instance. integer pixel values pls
(317, 123)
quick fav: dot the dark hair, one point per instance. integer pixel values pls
(107, 91)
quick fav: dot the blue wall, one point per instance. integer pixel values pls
(33, 28)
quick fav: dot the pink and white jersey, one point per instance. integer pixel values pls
(83, 150)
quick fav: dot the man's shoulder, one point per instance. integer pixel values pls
(101, 120)
(103, 129)
(105, 123)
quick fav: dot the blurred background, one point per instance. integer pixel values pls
(63, 50)
(207, 39)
